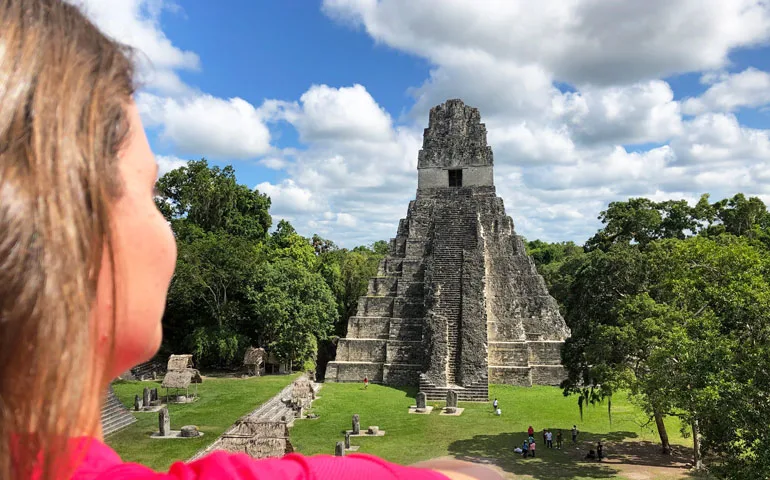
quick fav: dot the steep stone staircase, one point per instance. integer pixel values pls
(477, 392)
(115, 416)
(453, 232)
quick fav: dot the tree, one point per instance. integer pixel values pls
(711, 366)
(637, 220)
(557, 263)
(294, 307)
(210, 198)
(207, 303)
(285, 242)
(597, 368)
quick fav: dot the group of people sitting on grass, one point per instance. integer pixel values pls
(529, 446)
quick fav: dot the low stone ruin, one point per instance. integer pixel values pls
(264, 432)
(302, 395)
(257, 439)
(148, 402)
(164, 428)
(372, 431)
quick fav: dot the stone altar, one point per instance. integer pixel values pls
(457, 303)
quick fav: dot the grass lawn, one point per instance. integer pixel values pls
(481, 436)
(222, 401)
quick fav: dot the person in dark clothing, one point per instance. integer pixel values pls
(599, 451)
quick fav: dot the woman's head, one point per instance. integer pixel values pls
(85, 257)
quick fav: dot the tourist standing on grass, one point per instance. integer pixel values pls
(574, 433)
(549, 439)
(86, 259)
(599, 450)
(532, 448)
(545, 435)
(525, 448)
(494, 405)
(530, 431)
(366, 383)
(558, 439)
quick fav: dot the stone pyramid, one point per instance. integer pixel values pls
(457, 303)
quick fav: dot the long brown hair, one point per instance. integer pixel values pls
(64, 87)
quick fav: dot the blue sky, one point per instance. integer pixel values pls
(322, 104)
(279, 49)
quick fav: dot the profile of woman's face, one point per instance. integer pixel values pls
(144, 251)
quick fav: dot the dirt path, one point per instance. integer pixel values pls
(629, 460)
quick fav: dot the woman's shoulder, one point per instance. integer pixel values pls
(102, 463)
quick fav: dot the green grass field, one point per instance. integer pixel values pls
(222, 401)
(481, 436)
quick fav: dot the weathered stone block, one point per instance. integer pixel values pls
(368, 327)
(548, 374)
(354, 371)
(414, 290)
(407, 329)
(403, 352)
(413, 269)
(513, 354)
(382, 286)
(401, 374)
(375, 307)
(416, 247)
(361, 350)
(545, 353)
(390, 266)
(408, 308)
(510, 375)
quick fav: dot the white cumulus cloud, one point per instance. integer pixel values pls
(208, 126)
(728, 92)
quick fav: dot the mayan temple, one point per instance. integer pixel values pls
(457, 303)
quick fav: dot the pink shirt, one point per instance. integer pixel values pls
(102, 463)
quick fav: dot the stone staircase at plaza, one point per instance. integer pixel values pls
(115, 416)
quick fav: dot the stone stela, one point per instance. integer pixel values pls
(356, 425)
(421, 405)
(164, 423)
(451, 404)
(457, 303)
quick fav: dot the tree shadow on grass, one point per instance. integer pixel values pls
(619, 448)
